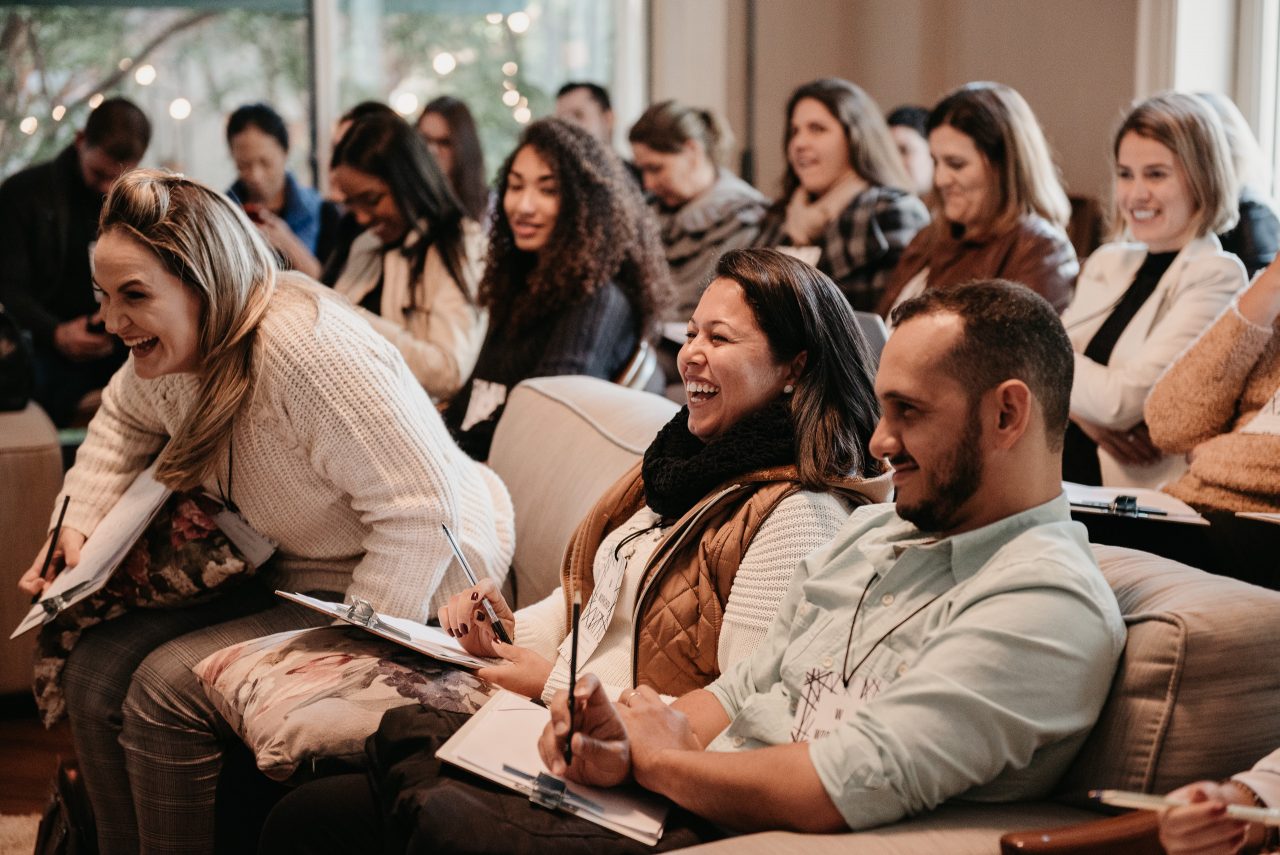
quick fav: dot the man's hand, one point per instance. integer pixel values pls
(1202, 825)
(524, 671)
(601, 750)
(653, 727)
(66, 554)
(74, 340)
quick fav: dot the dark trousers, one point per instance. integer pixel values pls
(61, 383)
(410, 802)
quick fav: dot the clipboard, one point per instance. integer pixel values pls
(500, 743)
(103, 551)
(427, 640)
(1131, 502)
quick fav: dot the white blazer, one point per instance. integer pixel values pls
(1193, 291)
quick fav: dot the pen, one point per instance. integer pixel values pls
(573, 675)
(1123, 505)
(498, 629)
(53, 544)
(1144, 801)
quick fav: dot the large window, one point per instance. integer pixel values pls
(190, 64)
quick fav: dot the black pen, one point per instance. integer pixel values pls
(53, 544)
(498, 629)
(573, 676)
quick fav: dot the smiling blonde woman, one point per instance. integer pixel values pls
(263, 390)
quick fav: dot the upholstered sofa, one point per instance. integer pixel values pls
(1197, 693)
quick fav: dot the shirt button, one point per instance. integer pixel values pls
(887, 599)
(739, 741)
(827, 662)
(902, 669)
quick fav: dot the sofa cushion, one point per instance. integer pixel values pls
(558, 431)
(1197, 692)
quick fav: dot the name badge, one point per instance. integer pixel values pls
(826, 703)
(255, 546)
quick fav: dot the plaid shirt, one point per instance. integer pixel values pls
(861, 247)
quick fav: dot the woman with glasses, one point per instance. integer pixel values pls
(413, 272)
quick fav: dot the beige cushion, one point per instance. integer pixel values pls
(561, 442)
(953, 829)
(30, 477)
(1197, 694)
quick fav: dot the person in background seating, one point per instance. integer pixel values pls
(349, 227)
(575, 277)
(49, 220)
(589, 106)
(909, 125)
(846, 205)
(1255, 238)
(1003, 209)
(294, 219)
(413, 272)
(1144, 297)
(450, 133)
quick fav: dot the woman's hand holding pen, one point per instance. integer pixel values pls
(464, 618)
(601, 748)
(65, 554)
(1202, 825)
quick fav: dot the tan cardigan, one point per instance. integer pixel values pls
(1212, 391)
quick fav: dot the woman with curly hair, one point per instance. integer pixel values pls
(575, 278)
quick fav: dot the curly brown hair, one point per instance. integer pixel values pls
(603, 232)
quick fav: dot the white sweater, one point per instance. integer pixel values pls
(800, 524)
(340, 457)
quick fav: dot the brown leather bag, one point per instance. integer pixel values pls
(67, 826)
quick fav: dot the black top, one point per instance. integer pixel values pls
(595, 337)
(1080, 453)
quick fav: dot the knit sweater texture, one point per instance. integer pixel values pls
(339, 457)
(1203, 402)
(800, 524)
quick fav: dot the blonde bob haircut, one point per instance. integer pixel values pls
(1006, 133)
(1192, 131)
(204, 240)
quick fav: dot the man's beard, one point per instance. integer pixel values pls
(954, 483)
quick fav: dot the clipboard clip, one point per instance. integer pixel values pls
(547, 791)
(54, 605)
(361, 611)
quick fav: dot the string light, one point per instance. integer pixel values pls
(180, 108)
(404, 103)
(58, 112)
(510, 69)
(522, 115)
(96, 100)
(518, 22)
(494, 17)
(28, 125)
(511, 97)
(145, 75)
(444, 63)
(124, 64)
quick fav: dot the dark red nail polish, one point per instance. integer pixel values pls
(475, 595)
(462, 629)
(479, 617)
(450, 633)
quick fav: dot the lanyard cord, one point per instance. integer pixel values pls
(847, 675)
(231, 463)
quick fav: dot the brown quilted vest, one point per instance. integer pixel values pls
(686, 584)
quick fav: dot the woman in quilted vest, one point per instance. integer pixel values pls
(682, 564)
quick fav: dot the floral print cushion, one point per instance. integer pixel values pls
(308, 695)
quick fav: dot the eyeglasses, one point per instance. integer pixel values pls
(366, 202)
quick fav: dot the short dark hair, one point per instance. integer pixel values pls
(119, 128)
(834, 406)
(261, 116)
(910, 116)
(1010, 333)
(597, 92)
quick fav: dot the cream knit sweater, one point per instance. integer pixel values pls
(340, 457)
(1209, 393)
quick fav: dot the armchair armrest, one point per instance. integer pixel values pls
(1133, 833)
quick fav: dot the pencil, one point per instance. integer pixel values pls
(1146, 801)
(573, 676)
(53, 544)
(498, 629)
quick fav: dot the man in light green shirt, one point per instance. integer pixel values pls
(959, 642)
